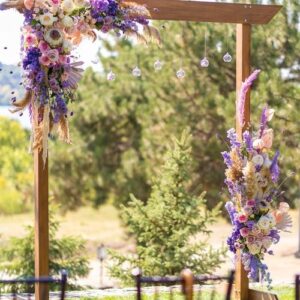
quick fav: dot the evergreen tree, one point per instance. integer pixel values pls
(171, 229)
(120, 127)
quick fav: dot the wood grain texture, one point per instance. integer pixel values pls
(243, 70)
(243, 63)
(181, 10)
(259, 295)
(187, 284)
(41, 224)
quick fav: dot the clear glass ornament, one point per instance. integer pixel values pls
(158, 65)
(204, 63)
(136, 72)
(180, 74)
(227, 57)
(95, 61)
(111, 76)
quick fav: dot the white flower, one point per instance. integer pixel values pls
(80, 3)
(54, 36)
(258, 160)
(267, 162)
(267, 242)
(284, 207)
(270, 114)
(47, 19)
(264, 223)
(68, 46)
(254, 248)
(67, 6)
(67, 21)
(258, 144)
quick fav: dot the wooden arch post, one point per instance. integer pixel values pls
(243, 68)
(41, 223)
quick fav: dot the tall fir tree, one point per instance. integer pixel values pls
(171, 230)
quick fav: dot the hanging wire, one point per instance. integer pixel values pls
(227, 57)
(204, 63)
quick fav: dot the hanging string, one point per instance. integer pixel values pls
(227, 57)
(204, 62)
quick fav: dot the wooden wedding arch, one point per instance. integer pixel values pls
(244, 16)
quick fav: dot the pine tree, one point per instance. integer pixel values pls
(170, 227)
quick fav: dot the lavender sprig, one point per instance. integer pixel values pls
(243, 92)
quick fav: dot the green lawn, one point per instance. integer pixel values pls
(283, 292)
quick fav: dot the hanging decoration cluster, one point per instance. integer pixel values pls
(252, 176)
(52, 29)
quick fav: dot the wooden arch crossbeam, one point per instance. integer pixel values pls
(244, 15)
(217, 12)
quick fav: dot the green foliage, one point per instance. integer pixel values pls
(17, 257)
(16, 171)
(171, 230)
(120, 127)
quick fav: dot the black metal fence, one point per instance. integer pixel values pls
(22, 288)
(187, 285)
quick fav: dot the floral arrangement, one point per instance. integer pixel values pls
(52, 28)
(252, 175)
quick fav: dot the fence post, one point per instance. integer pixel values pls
(187, 284)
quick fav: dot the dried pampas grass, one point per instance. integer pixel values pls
(15, 4)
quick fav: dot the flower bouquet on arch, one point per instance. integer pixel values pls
(252, 175)
(52, 30)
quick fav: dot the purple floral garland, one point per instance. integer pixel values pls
(251, 177)
(52, 29)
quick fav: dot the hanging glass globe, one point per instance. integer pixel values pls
(227, 57)
(158, 65)
(136, 72)
(180, 74)
(204, 63)
(111, 76)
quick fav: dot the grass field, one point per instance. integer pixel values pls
(283, 292)
(96, 226)
(103, 225)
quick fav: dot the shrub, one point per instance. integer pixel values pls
(170, 229)
(17, 257)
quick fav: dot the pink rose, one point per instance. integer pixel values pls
(53, 55)
(267, 138)
(44, 60)
(30, 39)
(63, 59)
(43, 46)
(244, 232)
(242, 218)
(29, 4)
(250, 203)
(55, 2)
(248, 210)
(251, 239)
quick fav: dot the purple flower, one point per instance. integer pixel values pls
(274, 234)
(31, 60)
(99, 6)
(227, 159)
(60, 108)
(248, 141)
(243, 92)
(274, 169)
(231, 211)
(232, 137)
(263, 121)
